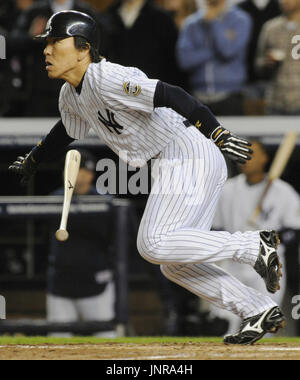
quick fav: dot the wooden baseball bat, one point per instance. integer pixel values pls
(72, 165)
(279, 163)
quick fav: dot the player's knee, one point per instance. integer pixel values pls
(148, 249)
(170, 270)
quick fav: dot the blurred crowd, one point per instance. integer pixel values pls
(234, 56)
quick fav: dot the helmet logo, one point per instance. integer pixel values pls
(74, 27)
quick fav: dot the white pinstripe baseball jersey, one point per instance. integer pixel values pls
(117, 103)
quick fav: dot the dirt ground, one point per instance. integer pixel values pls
(168, 351)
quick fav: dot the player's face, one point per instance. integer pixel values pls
(257, 163)
(61, 57)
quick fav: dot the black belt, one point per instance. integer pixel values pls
(187, 123)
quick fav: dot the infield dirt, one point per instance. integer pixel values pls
(167, 351)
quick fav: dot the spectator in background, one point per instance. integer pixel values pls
(212, 49)
(239, 199)
(179, 9)
(41, 93)
(145, 36)
(260, 12)
(276, 63)
(10, 10)
(80, 276)
(11, 96)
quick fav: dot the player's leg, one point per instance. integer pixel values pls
(175, 227)
(218, 287)
(61, 310)
(250, 279)
(99, 308)
(260, 315)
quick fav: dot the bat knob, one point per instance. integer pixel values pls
(62, 235)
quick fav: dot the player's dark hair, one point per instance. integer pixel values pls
(82, 44)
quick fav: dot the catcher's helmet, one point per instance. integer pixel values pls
(72, 24)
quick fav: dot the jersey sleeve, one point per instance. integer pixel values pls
(126, 88)
(74, 125)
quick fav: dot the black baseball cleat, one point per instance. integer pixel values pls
(268, 264)
(254, 328)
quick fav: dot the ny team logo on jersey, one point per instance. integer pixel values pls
(110, 122)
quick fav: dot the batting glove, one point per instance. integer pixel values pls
(25, 167)
(234, 147)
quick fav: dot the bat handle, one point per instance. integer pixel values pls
(254, 216)
(62, 233)
(258, 209)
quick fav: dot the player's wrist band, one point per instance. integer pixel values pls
(217, 133)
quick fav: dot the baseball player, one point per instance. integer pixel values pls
(139, 119)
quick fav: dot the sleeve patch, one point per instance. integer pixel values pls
(132, 89)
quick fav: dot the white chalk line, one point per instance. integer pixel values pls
(254, 351)
(50, 347)
(160, 357)
(74, 347)
(280, 349)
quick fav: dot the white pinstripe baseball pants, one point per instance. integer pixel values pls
(175, 228)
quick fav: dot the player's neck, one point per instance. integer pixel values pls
(74, 77)
(255, 178)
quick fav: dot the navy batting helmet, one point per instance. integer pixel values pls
(72, 24)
